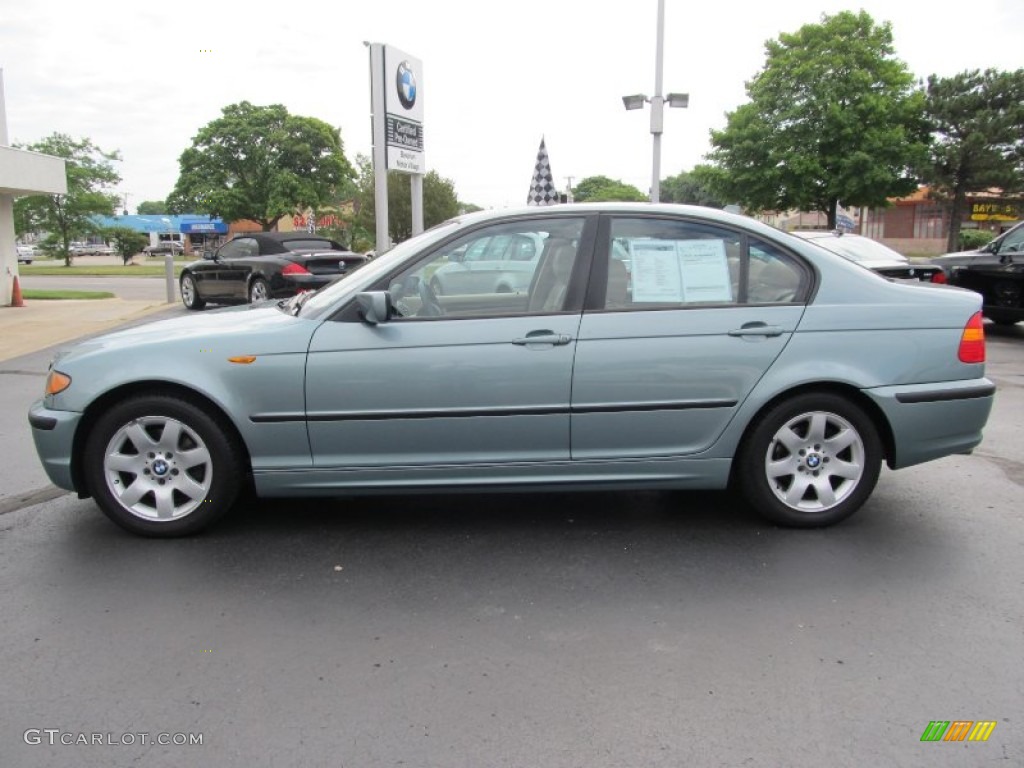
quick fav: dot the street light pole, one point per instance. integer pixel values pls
(657, 102)
(658, 105)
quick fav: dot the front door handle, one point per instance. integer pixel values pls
(543, 337)
(756, 329)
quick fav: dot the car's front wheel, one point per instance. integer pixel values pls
(258, 290)
(161, 466)
(190, 293)
(810, 461)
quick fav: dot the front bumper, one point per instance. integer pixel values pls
(930, 421)
(53, 433)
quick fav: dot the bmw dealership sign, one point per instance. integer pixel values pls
(403, 107)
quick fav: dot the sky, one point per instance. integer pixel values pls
(497, 76)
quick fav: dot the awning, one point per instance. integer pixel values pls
(204, 228)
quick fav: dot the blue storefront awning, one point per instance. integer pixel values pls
(186, 224)
(204, 228)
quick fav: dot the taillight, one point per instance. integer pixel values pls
(940, 277)
(294, 269)
(972, 341)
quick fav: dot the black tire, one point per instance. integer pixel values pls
(190, 292)
(810, 461)
(258, 290)
(151, 442)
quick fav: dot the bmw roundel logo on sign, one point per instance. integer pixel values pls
(406, 84)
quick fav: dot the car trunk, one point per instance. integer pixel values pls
(327, 262)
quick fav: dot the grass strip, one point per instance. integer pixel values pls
(44, 295)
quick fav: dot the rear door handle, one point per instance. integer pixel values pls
(756, 329)
(543, 337)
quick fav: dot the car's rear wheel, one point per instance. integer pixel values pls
(190, 293)
(160, 466)
(258, 290)
(810, 461)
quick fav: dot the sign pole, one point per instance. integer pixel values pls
(380, 169)
(416, 189)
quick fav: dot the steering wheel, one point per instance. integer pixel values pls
(429, 305)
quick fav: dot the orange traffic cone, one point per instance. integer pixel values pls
(16, 299)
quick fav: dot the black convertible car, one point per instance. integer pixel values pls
(265, 265)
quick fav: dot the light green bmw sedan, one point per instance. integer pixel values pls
(653, 346)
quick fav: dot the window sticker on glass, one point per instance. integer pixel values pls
(705, 270)
(679, 271)
(656, 276)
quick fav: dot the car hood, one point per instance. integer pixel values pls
(957, 257)
(250, 329)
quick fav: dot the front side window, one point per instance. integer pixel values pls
(1013, 242)
(237, 248)
(505, 269)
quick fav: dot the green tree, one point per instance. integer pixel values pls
(601, 189)
(440, 203)
(67, 217)
(977, 123)
(261, 163)
(153, 208)
(833, 116)
(697, 187)
(126, 241)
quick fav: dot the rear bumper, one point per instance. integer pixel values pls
(930, 421)
(289, 285)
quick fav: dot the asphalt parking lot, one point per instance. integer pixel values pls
(625, 629)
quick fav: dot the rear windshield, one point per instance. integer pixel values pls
(309, 245)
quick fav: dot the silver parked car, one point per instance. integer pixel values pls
(874, 255)
(724, 353)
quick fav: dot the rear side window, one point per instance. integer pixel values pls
(662, 263)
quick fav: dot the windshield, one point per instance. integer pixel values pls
(323, 300)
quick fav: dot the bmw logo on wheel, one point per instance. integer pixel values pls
(406, 83)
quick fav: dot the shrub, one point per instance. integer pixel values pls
(972, 239)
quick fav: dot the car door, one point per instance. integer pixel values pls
(455, 380)
(211, 275)
(671, 345)
(236, 266)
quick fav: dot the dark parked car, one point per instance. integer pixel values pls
(996, 271)
(265, 265)
(1006, 248)
(172, 247)
(873, 255)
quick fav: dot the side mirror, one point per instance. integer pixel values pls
(209, 255)
(375, 307)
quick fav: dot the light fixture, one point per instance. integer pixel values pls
(636, 101)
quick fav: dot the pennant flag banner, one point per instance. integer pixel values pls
(542, 188)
